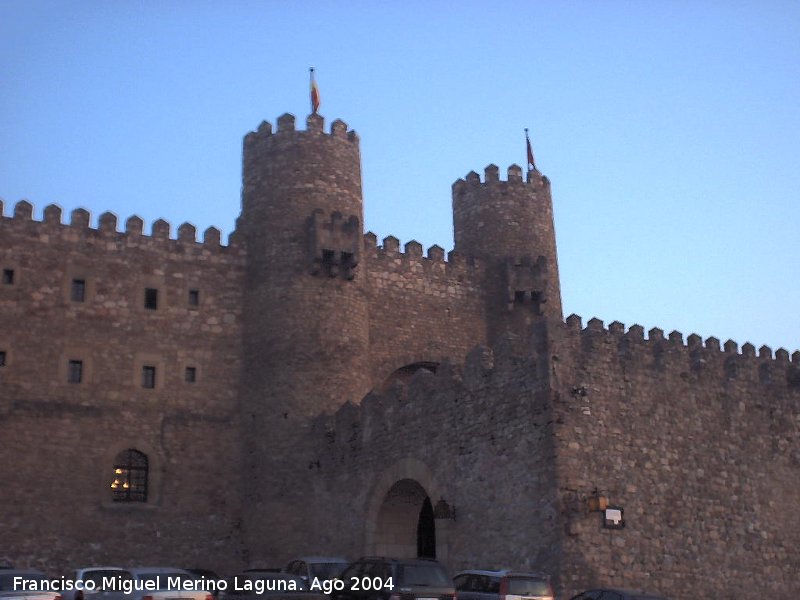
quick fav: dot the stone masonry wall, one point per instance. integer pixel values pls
(701, 448)
(479, 438)
(60, 439)
(421, 309)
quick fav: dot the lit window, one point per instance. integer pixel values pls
(148, 377)
(75, 371)
(8, 276)
(190, 375)
(151, 298)
(194, 297)
(78, 290)
(129, 480)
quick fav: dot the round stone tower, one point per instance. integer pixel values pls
(509, 225)
(305, 309)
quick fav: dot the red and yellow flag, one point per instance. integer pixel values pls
(314, 93)
(531, 161)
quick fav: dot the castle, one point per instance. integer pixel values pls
(307, 390)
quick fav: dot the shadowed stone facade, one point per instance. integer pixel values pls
(307, 390)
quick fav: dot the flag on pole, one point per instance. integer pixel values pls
(531, 161)
(314, 92)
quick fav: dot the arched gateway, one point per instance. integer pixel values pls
(400, 520)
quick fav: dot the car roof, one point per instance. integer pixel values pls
(321, 559)
(628, 592)
(137, 570)
(503, 573)
(84, 569)
(408, 561)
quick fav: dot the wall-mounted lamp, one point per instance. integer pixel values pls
(443, 510)
(596, 501)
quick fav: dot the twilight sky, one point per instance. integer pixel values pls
(670, 129)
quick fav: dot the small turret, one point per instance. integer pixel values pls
(509, 224)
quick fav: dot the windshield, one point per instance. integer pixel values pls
(275, 581)
(528, 587)
(99, 577)
(326, 570)
(430, 575)
(162, 581)
(28, 579)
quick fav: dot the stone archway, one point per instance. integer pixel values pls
(400, 516)
(406, 527)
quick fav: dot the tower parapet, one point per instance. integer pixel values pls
(509, 225)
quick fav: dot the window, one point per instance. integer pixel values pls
(151, 298)
(78, 290)
(190, 375)
(129, 481)
(2, 358)
(148, 377)
(75, 371)
(8, 276)
(194, 298)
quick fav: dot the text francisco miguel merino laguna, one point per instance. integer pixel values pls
(186, 583)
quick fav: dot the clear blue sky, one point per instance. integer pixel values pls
(670, 129)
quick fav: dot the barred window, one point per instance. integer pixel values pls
(129, 483)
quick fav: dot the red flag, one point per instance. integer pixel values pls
(314, 93)
(531, 162)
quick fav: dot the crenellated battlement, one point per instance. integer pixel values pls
(491, 178)
(411, 257)
(694, 355)
(107, 226)
(286, 128)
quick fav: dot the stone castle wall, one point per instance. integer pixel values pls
(701, 448)
(278, 450)
(59, 439)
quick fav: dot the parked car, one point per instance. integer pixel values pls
(155, 583)
(378, 578)
(502, 585)
(261, 585)
(614, 594)
(92, 578)
(316, 567)
(11, 590)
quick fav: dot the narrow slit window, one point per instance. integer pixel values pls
(194, 297)
(8, 276)
(148, 377)
(75, 371)
(2, 358)
(190, 375)
(78, 290)
(151, 298)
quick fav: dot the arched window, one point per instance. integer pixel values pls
(129, 481)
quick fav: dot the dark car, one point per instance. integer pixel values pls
(614, 594)
(502, 585)
(268, 585)
(379, 578)
(316, 567)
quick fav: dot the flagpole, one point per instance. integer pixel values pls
(311, 84)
